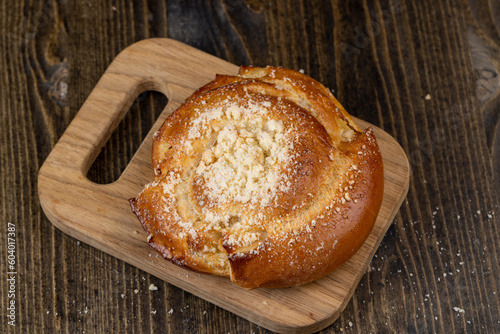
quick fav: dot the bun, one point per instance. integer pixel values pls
(262, 177)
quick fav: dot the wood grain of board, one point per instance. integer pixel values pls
(100, 214)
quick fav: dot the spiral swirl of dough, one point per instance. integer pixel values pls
(262, 177)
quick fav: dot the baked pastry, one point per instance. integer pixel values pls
(262, 177)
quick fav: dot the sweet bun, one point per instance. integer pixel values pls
(262, 177)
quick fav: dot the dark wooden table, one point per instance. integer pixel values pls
(427, 72)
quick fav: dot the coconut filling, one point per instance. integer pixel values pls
(243, 169)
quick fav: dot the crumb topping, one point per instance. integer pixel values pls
(244, 164)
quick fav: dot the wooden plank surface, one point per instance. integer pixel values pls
(100, 215)
(440, 256)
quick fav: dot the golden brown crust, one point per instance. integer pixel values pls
(262, 177)
(335, 236)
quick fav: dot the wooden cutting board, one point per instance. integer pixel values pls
(100, 214)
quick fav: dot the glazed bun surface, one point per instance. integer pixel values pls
(262, 177)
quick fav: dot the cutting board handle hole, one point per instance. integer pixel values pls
(127, 137)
